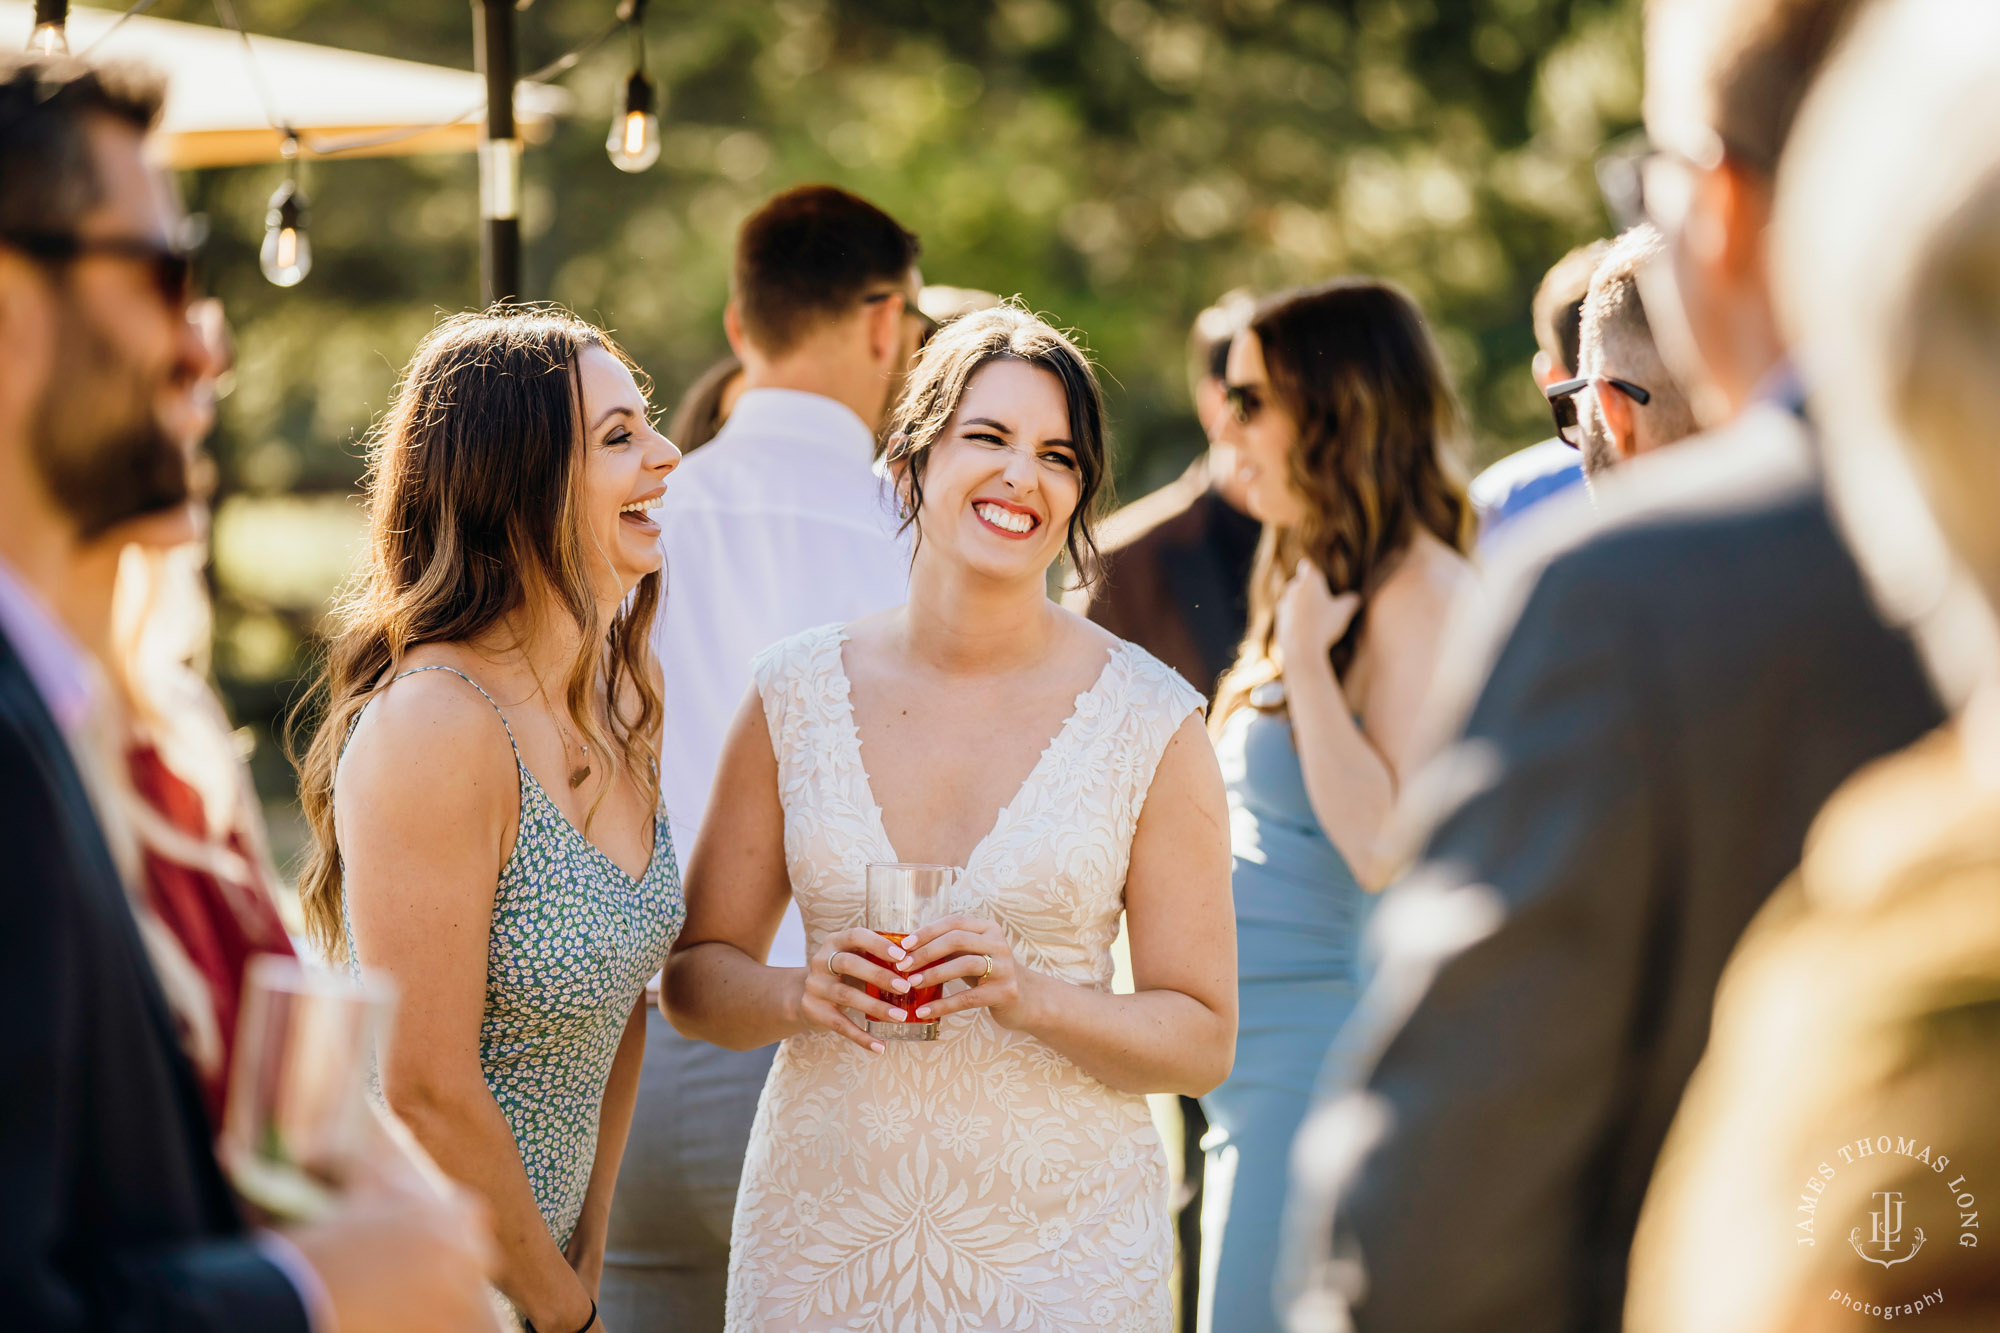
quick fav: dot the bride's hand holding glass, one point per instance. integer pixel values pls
(975, 951)
(829, 993)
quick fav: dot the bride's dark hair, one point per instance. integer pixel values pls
(936, 386)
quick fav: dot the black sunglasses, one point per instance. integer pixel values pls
(1245, 401)
(1562, 403)
(910, 308)
(171, 266)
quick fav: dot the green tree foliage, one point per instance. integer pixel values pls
(1118, 163)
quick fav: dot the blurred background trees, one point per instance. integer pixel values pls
(1118, 163)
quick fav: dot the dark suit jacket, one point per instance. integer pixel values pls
(113, 1213)
(1176, 577)
(1684, 685)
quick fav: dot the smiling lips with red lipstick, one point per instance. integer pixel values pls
(1009, 520)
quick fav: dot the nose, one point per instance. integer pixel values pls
(202, 341)
(1021, 473)
(665, 457)
(1225, 426)
(1216, 425)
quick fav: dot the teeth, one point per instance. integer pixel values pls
(642, 506)
(1004, 518)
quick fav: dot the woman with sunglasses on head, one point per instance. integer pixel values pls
(1006, 1174)
(1345, 421)
(483, 789)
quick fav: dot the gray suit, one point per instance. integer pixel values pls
(1681, 687)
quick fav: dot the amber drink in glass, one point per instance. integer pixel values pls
(903, 899)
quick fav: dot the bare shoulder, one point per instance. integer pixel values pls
(1425, 585)
(429, 740)
(1085, 636)
(1186, 793)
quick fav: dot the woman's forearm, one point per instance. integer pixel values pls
(614, 1126)
(1150, 1041)
(1348, 783)
(714, 992)
(463, 1130)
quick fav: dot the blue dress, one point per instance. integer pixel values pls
(1299, 917)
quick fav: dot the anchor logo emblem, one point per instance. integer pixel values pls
(1886, 1232)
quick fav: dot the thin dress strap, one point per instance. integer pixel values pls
(462, 676)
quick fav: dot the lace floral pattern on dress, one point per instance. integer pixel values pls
(981, 1181)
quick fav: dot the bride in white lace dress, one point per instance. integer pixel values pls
(1006, 1176)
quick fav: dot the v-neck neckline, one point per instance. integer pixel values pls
(652, 854)
(1003, 817)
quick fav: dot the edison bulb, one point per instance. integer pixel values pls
(634, 141)
(48, 39)
(286, 256)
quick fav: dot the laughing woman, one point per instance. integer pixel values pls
(1006, 1175)
(482, 791)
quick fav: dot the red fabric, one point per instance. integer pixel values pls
(221, 926)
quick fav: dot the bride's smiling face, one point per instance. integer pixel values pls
(1002, 481)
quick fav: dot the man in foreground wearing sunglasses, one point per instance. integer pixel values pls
(116, 1212)
(1674, 688)
(1624, 403)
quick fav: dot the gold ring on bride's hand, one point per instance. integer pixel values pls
(989, 970)
(829, 964)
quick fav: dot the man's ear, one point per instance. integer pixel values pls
(1743, 201)
(732, 328)
(1546, 371)
(27, 344)
(884, 327)
(1621, 422)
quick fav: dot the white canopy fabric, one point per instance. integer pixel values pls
(343, 103)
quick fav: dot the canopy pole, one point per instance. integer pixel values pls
(499, 155)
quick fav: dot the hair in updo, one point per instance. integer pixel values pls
(937, 384)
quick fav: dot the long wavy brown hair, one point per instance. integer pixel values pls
(475, 513)
(1354, 365)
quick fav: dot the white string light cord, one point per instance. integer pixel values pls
(330, 147)
(139, 8)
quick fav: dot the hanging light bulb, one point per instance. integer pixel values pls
(634, 142)
(287, 253)
(51, 34)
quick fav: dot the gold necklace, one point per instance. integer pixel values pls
(576, 775)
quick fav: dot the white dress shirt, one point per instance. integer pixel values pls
(778, 524)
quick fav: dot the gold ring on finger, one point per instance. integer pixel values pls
(989, 970)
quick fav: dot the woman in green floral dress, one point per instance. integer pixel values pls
(483, 791)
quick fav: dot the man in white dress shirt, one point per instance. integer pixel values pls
(779, 524)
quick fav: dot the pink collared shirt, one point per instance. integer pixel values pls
(57, 665)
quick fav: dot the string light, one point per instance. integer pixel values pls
(51, 33)
(634, 141)
(286, 256)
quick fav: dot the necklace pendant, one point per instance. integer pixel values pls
(577, 775)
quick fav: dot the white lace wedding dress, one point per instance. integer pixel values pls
(981, 1181)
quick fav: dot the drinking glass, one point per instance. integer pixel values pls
(902, 899)
(298, 1086)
